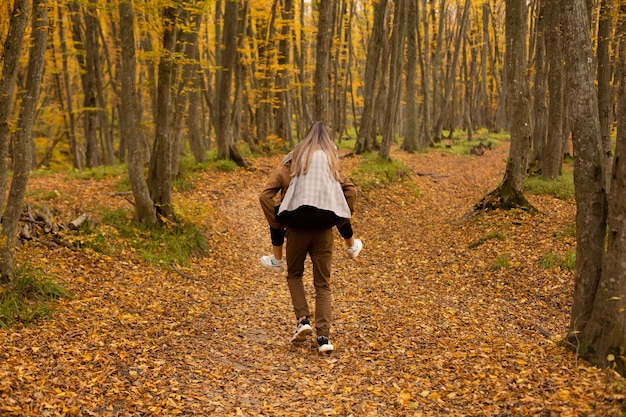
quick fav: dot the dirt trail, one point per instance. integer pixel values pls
(424, 324)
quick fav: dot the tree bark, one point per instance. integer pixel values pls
(540, 107)
(552, 156)
(588, 166)
(8, 81)
(604, 337)
(395, 77)
(367, 134)
(22, 155)
(410, 143)
(510, 193)
(605, 101)
(447, 92)
(130, 128)
(225, 139)
(160, 173)
(320, 78)
(283, 109)
(77, 157)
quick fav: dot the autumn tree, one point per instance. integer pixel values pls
(367, 130)
(22, 139)
(130, 128)
(510, 193)
(10, 69)
(398, 39)
(160, 172)
(226, 148)
(320, 79)
(597, 319)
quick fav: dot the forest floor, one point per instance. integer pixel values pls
(443, 313)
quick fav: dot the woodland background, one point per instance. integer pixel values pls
(155, 88)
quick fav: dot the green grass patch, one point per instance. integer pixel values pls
(374, 172)
(43, 195)
(561, 188)
(566, 261)
(459, 144)
(161, 245)
(501, 262)
(28, 296)
(101, 172)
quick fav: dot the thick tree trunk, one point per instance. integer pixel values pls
(22, 143)
(130, 128)
(510, 193)
(367, 133)
(10, 66)
(588, 166)
(603, 339)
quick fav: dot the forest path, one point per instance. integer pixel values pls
(437, 316)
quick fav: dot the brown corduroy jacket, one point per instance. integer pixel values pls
(279, 182)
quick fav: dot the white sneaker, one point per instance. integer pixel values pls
(354, 250)
(324, 345)
(272, 264)
(303, 329)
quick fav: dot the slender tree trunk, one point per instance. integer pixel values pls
(130, 128)
(395, 77)
(10, 67)
(426, 137)
(77, 154)
(589, 167)
(367, 132)
(160, 173)
(225, 138)
(410, 143)
(443, 114)
(485, 109)
(90, 103)
(283, 109)
(22, 156)
(605, 101)
(552, 157)
(437, 94)
(320, 78)
(540, 107)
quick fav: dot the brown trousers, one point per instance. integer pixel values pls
(318, 244)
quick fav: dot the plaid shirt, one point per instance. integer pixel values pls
(317, 188)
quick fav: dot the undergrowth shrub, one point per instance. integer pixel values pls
(561, 188)
(566, 261)
(374, 171)
(28, 296)
(158, 245)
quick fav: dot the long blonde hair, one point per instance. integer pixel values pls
(318, 137)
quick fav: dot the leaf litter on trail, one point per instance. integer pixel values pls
(437, 316)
